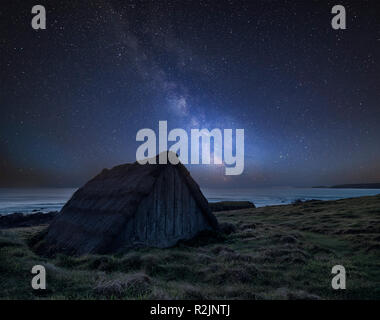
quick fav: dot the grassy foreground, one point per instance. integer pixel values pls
(279, 252)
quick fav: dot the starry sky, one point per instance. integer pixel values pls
(73, 96)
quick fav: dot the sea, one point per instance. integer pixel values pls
(52, 199)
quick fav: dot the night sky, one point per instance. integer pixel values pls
(73, 96)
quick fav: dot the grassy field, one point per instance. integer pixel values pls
(279, 252)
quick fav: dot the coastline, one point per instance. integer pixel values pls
(274, 252)
(44, 200)
(36, 218)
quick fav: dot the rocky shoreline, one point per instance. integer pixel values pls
(21, 220)
(230, 205)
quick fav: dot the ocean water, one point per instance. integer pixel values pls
(283, 195)
(45, 200)
(29, 200)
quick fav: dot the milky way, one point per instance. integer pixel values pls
(73, 96)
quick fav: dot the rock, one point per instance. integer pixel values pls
(230, 205)
(20, 220)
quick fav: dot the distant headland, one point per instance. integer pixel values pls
(353, 186)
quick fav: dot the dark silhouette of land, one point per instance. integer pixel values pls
(353, 186)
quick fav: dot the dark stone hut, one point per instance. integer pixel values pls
(130, 205)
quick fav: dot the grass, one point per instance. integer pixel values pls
(279, 252)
